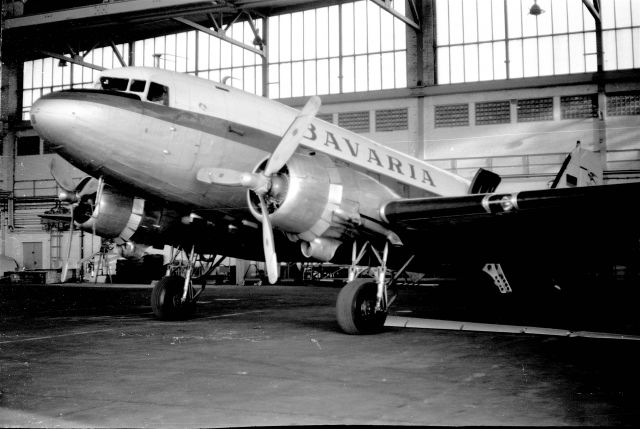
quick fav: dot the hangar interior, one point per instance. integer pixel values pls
(510, 86)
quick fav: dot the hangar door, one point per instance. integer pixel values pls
(32, 255)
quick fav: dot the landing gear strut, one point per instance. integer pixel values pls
(363, 303)
(174, 297)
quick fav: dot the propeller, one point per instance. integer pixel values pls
(262, 183)
(73, 194)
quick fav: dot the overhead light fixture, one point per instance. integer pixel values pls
(535, 10)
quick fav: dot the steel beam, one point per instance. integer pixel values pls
(383, 4)
(219, 35)
(117, 53)
(101, 10)
(72, 60)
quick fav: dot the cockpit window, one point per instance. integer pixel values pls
(137, 85)
(158, 93)
(114, 84)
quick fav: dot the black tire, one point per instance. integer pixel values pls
(166, 297)
(355, 308)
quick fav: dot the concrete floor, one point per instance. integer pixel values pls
(81, 356)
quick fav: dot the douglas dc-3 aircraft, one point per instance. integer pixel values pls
(175, 159)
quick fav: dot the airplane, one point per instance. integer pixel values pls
(173, 159)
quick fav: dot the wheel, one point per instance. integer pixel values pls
(355, 308)
(166, 297)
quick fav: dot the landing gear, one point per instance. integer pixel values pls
(166, 299)
(363, 303)
(173, 297)
(356, 308)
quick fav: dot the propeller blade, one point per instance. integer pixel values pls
(87, 186)
(291, 138)
(61, 177)
(270, 257)
(65, 267)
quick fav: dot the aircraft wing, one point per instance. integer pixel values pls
(574, 223)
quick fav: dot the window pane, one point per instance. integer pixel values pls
(515, 59)
(443, 65)
(361, 73)
(360, 27)
(470, 19)
(544, 21)
(285, 37)
(27, 71)
(388, 71)
(561, 54)
(514, 15)
(334, 24)
(322, 32)
(297, 79)
(274, 81)
(530, 51)
(310, 78)
(334, 76)
(485, 57)
(323, 77)
(457, 64)
(559, 16)
(574, 11)
(497, 19)
(545, 56)
(297, 36)
(375, 78)
(347, 29)
(471, 63)
(273, 37)
(623, 13)
(455, 21)
(348, 69)
(442, 18)
(576, 53)
(309, 34)
(373, 27)
(485, 29)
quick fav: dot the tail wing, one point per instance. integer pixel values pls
(581, 168)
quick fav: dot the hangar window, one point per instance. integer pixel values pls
(138, 85)
(325, 117)
(114, 84)
(535, 109)
(579, 106)
(452, 115)
(158, 94)
(358, 122)
(499, 39)
(623, 104)
(392, 119)
(493, 112)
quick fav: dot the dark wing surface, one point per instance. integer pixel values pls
(594, 223)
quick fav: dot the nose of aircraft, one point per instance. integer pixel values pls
(53, 118)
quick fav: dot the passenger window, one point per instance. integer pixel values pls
(158, 94)
(114, 84)
(138, 85)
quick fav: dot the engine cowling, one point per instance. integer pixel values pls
(317, 202)
(124, 217)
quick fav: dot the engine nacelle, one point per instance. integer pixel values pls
(119, 216)
(318, 201)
